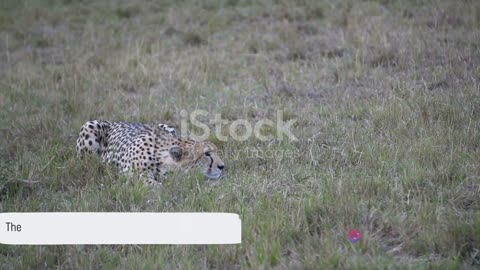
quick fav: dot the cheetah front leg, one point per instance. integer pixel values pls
(150, 179)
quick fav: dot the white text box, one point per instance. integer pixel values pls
(119, 228)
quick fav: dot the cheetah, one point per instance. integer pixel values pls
(151, 150)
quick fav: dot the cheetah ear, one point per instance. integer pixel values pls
(164, 131)
(176, 152)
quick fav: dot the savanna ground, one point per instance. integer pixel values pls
(385, 93)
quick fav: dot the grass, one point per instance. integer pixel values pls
(385, 94)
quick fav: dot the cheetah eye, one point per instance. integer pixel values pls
(207, 154)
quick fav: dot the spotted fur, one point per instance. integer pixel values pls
(152, 150)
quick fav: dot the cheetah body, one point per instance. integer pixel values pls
(151, 150)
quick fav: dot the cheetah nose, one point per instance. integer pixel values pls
(220, 167)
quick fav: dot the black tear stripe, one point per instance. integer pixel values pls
(211, 161)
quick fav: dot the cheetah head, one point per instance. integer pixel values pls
(204, 155)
